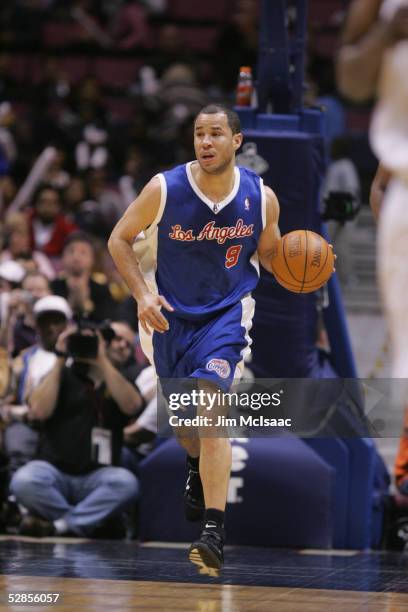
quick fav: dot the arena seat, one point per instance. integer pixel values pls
(120, 109)
(199, 38)
(17, 67)
(217, 10)
(76, 67)
(116, 72)
(321, 12)
(58, 34)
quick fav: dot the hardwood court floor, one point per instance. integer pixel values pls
(115, 576)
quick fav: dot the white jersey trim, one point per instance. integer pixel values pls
(263, 202)
(163, 200)
(248, 311)
(215, 207)
(145, 248)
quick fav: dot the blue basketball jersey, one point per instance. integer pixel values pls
(205, 253)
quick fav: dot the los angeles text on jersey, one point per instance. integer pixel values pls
(211, 232)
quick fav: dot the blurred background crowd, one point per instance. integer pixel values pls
(95, 98)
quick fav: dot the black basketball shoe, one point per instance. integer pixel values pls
(208, 552)
(193, 495)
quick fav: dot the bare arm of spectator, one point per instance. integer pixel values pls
(36, 174)
(144, 428)
(378, 187)
(4, 373)
(16, 306)
(43, 398)
(91, 27)
(364, 40)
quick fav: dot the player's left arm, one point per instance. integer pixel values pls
(271, 233)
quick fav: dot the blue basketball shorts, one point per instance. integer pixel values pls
(213, 348)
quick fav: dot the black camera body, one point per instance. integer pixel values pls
(340, 206)
(83, 344)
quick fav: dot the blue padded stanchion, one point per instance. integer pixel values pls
(281, 491)
(336, 454)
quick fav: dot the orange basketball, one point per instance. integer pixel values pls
(303, 261)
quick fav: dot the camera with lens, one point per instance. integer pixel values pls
(340, 206)
(83, 344)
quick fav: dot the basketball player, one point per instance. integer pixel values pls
(365, 38)
(376, 36)
(205, 225)
(378, 189)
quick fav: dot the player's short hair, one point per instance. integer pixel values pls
(232, 116)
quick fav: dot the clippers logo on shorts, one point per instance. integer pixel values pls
(220, 367)
(211, 232)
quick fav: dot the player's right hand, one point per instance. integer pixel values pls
(148, 311)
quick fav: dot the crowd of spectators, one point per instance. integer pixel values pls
(95, 98)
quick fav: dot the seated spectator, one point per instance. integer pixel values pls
(122, 350)
(49, 227)
(134, 176)
(108, 200)
(7, 142)
(74, 485)
(18, 329)
(127, 311)
(140, 434)
(401, 459)
(180, 95)
(56, 175)
(52, 313)
(131, 28)
(85, 212)
(237, 43)
(89, 30)
(8, 191)
(9, 86)
(74, 195)
(88, 297)
(11, 277)
(18, 248)
(170, 49)
(342, 181)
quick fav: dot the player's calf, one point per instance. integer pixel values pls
(193, 492)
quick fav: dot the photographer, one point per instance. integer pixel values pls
(342, 199)
(83, 404)
(17, 330)
(51, 316)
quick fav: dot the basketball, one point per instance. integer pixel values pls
(303, 261)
